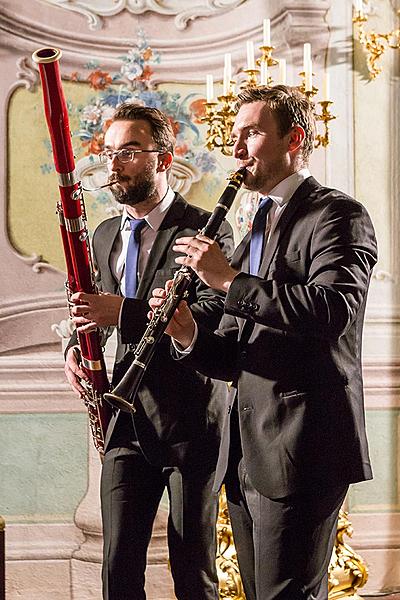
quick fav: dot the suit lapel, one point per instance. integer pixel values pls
(103, 253)
(302, 193)
(165, 236)
(241, 257)
(241, 262)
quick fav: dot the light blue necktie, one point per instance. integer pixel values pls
(132, 257)
(257, 234)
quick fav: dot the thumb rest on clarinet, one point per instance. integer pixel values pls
(78, 259)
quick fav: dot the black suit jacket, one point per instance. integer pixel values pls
(290, 340)
(179, 412)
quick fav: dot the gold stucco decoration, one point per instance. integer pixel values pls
(347, 570)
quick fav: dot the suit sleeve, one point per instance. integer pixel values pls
(207, 305)
(215, 354)
(342, 252)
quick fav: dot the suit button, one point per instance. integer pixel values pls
(243, 354)
(252, 306)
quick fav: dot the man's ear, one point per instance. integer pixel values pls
(164, 161)
(296, 138)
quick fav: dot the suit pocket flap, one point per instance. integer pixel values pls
(292, 256)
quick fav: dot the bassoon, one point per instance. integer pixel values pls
(75, 239)
(123, 395)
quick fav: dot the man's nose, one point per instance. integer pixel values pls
(239, 150)
(114, 164)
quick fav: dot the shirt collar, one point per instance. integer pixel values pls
(155, 217)
(285, 189)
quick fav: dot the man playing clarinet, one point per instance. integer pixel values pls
(290, 343)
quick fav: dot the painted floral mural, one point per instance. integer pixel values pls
(133, 81)
(93, 93)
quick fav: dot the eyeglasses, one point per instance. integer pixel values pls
(124, 156)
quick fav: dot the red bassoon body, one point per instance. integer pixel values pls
(74, 234)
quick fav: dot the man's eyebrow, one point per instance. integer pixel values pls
(130, 143)
(244, 128)
(250, 126)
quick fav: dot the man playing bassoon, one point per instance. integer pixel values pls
(171, 441)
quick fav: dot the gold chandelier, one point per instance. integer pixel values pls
(373, 44)
(263, 71)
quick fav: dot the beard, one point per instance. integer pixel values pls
(143, 189)
(265, 177)
(254, 181)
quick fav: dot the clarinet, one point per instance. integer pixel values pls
(75, 239)
(124, 394)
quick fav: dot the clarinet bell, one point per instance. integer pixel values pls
(119, 402)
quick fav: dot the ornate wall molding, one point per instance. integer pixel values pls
(381, 340)
(21, 275)
(49, 542)
(35, 261)
(379, 546)
(197, 50)
(26, 321)
(385, 535)
(395, 179)
(28, 380)
(96, 12)
(381, 385)
(27, 75)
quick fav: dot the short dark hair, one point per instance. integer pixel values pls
(289, 106)
(161, 128)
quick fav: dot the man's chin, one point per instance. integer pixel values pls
(132, 195)
(125, 199)
(250, 181)
(120, 194)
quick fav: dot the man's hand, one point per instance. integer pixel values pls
(73, 372)
(95, 310)
(181, 327)
(206, 258)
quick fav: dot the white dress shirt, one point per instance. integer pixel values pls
(281, 195)
(147, 237)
